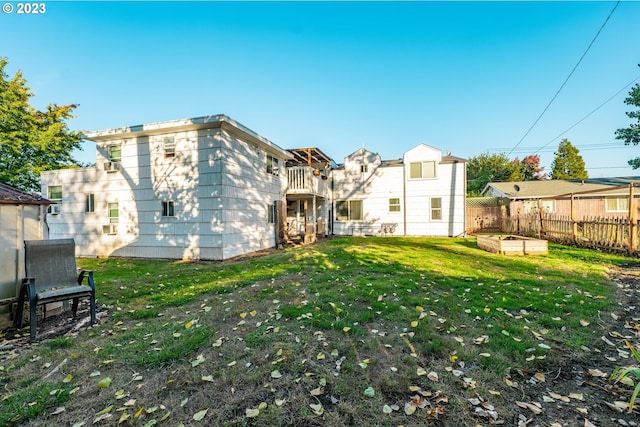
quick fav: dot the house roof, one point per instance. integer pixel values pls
(204, 122)
(560, 187)
(13, 196)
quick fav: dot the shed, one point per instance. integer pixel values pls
(22, 217)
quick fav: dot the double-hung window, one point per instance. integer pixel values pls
(436, 208)
(394, 204)
(273, 165)
(169, 146)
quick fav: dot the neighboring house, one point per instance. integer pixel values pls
(22, 217)
(594, 197)
(210, 188)
(422, 194)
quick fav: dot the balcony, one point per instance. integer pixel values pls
(303, 180)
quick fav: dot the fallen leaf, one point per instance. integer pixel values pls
(530, 406)
(317, 408)
(251, 412)
(369, 392)
(386, 409)
(433, 376)
(317, 391)
(421, 371)
(539, 376)
(276, 374)
(104, 383)
(199, 416)
(584, 323)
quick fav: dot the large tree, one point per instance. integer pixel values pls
(568, 163)
(487, 168)
(31, 141)
(631, 135)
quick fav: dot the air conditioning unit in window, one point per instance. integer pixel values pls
(55, 209)
(111, 166)
(110, 229)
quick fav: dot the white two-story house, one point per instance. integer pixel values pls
(210, 188)
(421, 194)
(201, 188)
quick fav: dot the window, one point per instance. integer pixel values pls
(112, 209)
(349, 210)
(419, 170)
(394, 205)
(115, 153)
(364, 168)
(272, 165)
(436, 208)
(90, 203)
(617, 204)
(168, 208)
(169, 145)
(55, 193)
(271, 208)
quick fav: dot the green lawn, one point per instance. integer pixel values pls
(351, 331)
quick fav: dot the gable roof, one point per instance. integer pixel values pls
(537, 189)
(12, 196)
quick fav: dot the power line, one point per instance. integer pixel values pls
(567, 79)
(585, 117)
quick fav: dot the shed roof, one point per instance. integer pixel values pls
(537, 189)
(12, 196)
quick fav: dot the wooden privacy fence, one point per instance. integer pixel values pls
(484, 214)
(619, 234)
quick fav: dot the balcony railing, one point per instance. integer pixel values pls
(302, 180)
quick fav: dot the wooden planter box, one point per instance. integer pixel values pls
(513, 245)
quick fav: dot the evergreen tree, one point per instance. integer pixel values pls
(31, 141)
(631, 135)
(568, 163)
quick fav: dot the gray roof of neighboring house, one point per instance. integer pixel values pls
(13, 196)
(557, 187)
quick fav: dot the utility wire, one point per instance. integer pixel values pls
(567, 79)
(585, 117)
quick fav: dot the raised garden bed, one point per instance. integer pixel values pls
(513, 245)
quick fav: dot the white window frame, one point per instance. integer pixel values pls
(621, 204)
(168, 209)
(394, 207)
(169, 146)
(110, 207)
(113, 158)
(350, 210)
(436, 211)
(272, 165)
(425, 167)
(90, 203)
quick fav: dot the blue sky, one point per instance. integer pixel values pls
(464, 77)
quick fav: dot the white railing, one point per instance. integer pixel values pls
(302, 180)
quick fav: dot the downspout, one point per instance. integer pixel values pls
(404, 198)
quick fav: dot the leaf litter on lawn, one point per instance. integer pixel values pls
(350, 331)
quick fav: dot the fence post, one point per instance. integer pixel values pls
(574, 220)
(632, 219)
